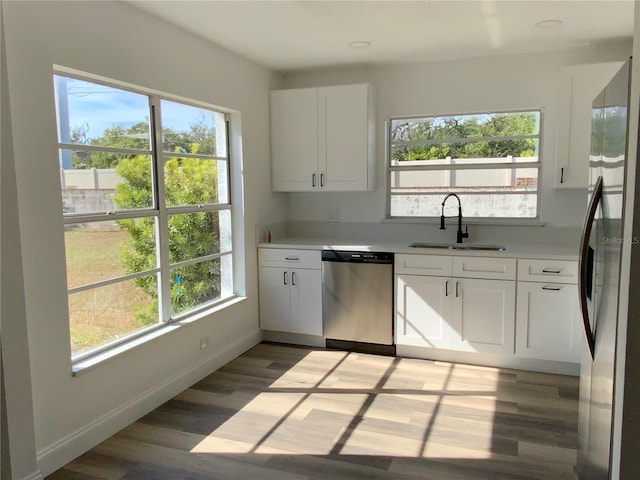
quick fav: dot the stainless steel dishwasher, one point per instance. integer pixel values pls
(357, 301)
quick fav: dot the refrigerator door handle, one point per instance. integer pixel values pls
(583, 267)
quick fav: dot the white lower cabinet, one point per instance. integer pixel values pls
(548, 319)
(467, 314)
(423, 311)
(449, 303)
(483, 317)
(548, 322)
(275, 300)
(290, 295)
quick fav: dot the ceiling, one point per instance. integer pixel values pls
(297, 35)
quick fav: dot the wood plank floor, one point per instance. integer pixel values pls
(289, 413)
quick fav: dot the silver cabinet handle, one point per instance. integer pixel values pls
(547, 287)
(322, 179)
(292, 258)
(446, 288)
(313, 180)
(457, 283)
(293, 278)
(285, 278)
(549, 270)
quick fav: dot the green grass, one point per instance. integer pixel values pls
(103, 314)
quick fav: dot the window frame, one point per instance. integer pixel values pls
(160, 212)
(390, 169)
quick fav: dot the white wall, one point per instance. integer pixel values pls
(115, 40)
(474, 85)
(18, 457)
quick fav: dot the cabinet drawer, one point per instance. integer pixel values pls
(558, 271)
(435, 265)
(485, 267)
(275, 257)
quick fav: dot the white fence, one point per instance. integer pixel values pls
(90, 179)
(503, 173)
(419, 193)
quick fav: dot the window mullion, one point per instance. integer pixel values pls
(98, 148)
(162, 241)
(407, 167)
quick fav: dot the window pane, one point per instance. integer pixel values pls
(226, 276)
(226, 239)
(188, 129)
(495, 205)
(502, 151)
(193, 235)
(94, 114)
(105, 314)
(193, 181)
(194, 285)
(101, 251)
(104, 182)
(474, 180)
(466, 126)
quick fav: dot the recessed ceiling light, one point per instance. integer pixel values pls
(549, 24)
(360, 44)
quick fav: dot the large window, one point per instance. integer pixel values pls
(490, 160)
(147, 210)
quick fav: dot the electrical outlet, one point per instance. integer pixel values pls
(204, 343)
(334, 214)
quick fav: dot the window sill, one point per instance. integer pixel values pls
(87, 363)
(516, 222)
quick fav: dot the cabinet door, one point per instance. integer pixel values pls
(483, 315)
(306, 301)
(423, 311)
(275, 305)
(294, 140)
(577, 88)
(548, 322)
(344, 141)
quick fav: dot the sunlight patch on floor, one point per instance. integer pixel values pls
(334, 402)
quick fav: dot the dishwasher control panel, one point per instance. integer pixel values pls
(357, 257)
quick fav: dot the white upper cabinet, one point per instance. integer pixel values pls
(577, 88)
(294, 139)
(322, 139)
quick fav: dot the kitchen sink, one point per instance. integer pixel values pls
(459, 246)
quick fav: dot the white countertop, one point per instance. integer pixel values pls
(512, 251)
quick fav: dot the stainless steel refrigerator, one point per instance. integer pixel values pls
(600, 252)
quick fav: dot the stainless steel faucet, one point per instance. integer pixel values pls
(459, 234)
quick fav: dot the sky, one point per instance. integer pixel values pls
(99, 107)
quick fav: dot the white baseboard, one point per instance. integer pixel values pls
(75, 444)
(33, 476)
(490, 360)
(294, 338)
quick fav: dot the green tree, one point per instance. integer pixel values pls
(458, 137)
(188, 181)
